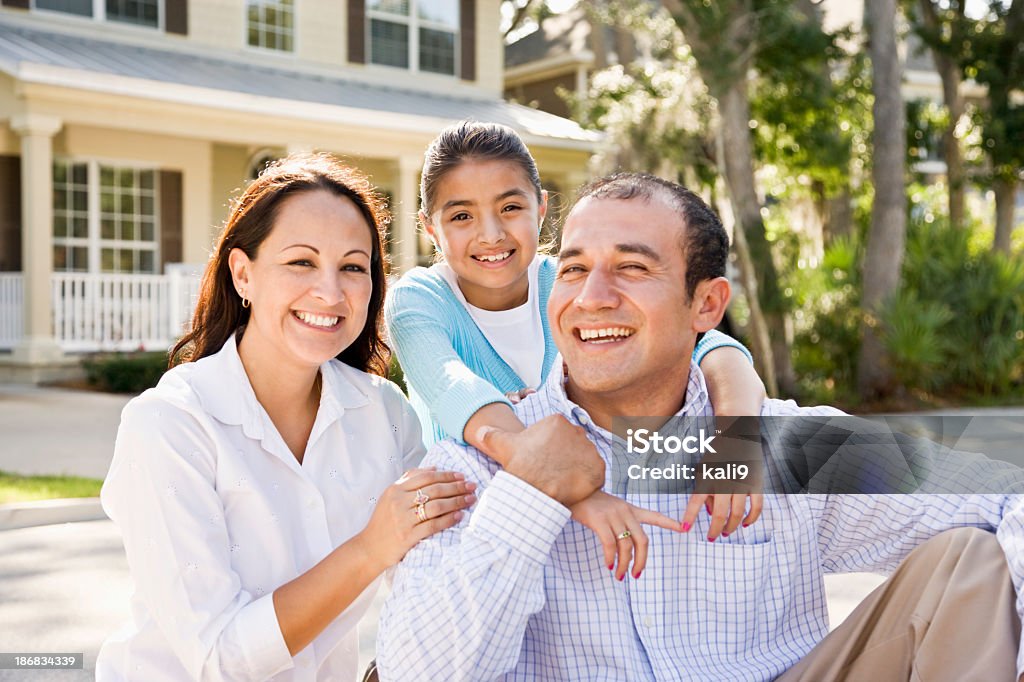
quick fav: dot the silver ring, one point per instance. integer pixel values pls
(624, 534)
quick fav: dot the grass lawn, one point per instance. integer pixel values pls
(15, 488)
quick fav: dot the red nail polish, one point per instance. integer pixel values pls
(622, 577)
(725, 535)
(636, 576)
(686, 527)
(611, 567)
(711, 539)
(746, 525)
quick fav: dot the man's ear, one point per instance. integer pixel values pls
(709, 303)
(239, 265)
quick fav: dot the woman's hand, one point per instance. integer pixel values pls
(399, 521)
(726, 512)
(610, 517)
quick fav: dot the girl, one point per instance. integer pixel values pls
(254, 486)
(472, 335)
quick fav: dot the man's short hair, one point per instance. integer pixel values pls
(704, 241)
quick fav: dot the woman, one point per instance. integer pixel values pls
(254, 486)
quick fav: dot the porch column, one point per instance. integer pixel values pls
(405, 208)
(38, 345)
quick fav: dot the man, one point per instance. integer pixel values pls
(514, 591)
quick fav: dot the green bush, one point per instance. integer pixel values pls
(967, 305)
(125, 372)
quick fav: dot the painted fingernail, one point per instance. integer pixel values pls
(636, 575)
(470, 499)
(611, 567)
(746, 525)
(458, 516)
(686, 527)
(622, 577)
(711, 539)
(725, 535)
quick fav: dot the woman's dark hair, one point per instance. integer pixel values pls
(219, 312)
(471, 140)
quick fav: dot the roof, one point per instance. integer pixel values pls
(558, 35)
(31, 54)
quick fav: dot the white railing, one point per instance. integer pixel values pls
(11, 317)
(106, 312)
(93, 312)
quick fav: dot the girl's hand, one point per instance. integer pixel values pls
(609, 517)
(515, 397)
(726, 512)
(399, 522)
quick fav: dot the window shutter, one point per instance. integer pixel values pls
(357, 31)
(170, 217)
(467, 32)
(176, 16)
(17, 4)
(10, 213)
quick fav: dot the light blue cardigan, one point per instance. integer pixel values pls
(450, 368)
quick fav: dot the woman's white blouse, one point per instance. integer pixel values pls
(216, 513)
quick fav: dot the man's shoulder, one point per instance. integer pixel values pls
(451, 455)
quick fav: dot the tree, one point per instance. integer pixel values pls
(936, 23)
(724, 39)
(887, 235)
(990, 50)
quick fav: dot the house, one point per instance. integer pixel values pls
(127, 126)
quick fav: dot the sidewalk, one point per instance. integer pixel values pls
(58, 431)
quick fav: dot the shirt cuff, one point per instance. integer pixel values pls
(261, 640)
(514, 513)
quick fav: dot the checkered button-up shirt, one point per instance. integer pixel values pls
(517, 591)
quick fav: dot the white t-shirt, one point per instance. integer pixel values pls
(516, 335)
(216, 513)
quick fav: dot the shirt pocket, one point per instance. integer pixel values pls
(729, 581)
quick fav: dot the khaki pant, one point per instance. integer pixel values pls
(947, 613)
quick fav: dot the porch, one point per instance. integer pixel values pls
(93, 312)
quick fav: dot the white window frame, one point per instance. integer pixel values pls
(94, 242)
(414, 23)
(270, 50)
(99, 13)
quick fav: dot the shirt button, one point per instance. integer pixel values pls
(648, 622)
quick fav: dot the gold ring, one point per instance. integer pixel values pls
(421, 497)
(421, 511)
(624, 534)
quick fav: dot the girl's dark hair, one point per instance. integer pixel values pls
(471, 140)
(219, 312)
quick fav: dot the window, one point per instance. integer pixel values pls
(271, 24)
(104, 218)
(140, 12)
(419, 35)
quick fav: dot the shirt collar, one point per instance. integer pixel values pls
(696, 402)
(225, 393)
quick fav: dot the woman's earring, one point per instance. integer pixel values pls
(245, 301)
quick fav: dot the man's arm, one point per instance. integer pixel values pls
(461, 599)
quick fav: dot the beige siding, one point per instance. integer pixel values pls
(321, 31)
(218, 23)
(490, 56)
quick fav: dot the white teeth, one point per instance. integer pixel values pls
(316, 320)
(495, 258)
(614, 332)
